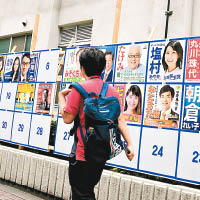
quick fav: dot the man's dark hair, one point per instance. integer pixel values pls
(109, 53)
(26, 55)
(167, 88)
(93, 61)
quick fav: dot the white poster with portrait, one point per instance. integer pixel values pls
(6, 119)
(121, 159)
(21, 127)
(8, 94)
(48, 66)
(131, 62)
(72, 72)
(158, 151)
(63, 139)
(40, 131)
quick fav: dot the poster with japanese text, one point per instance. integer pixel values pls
(110, 54)
(32, 70)
(2, 63)
(193, 60)
(44, 97)
(12, 68)
(155, 69)
(131, 101)
(162, 105)
(191, 114)
(25, 97)
(72, 71)
(173, 60)
(131, 62)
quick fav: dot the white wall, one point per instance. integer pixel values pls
(138, 19)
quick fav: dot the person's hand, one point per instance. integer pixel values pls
(129, 152)
(66, 91)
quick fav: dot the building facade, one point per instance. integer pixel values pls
(91, 22)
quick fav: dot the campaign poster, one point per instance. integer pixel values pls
(162, 105)
(173, 61)
(191, 115)
(193, 60)
(131, 62)
(155, 70)
(33, 67)
(110, 54)
(131, 101)
(44, 97)
(25, 97)
(2, 62)
(12, 68)
(72, 72)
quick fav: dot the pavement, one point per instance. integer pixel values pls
(10, 191)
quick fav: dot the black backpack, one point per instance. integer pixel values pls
(102, 140)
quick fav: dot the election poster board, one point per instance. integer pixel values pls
(25, 101)
(159, 94)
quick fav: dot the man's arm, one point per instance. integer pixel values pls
(68, 118)
(126, 135)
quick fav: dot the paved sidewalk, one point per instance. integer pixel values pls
(9, 191)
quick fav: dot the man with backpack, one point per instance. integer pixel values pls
(86, 167)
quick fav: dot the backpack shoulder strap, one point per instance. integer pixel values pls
(80, 89)
(104, 89)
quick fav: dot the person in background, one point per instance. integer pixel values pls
(14, 77)
(172, 58)
(107, 74)
(84, 175)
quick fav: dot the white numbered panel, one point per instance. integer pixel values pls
(8, 96)
(6, 119)
(121, 159)
(63, 141)
(48, 66)
(189, 156)
(21, 126)
(158, 151)
(0, 90)
(40, 130)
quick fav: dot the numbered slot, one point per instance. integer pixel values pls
(158, 151)
(40, 130)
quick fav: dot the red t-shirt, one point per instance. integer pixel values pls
(74, 103)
